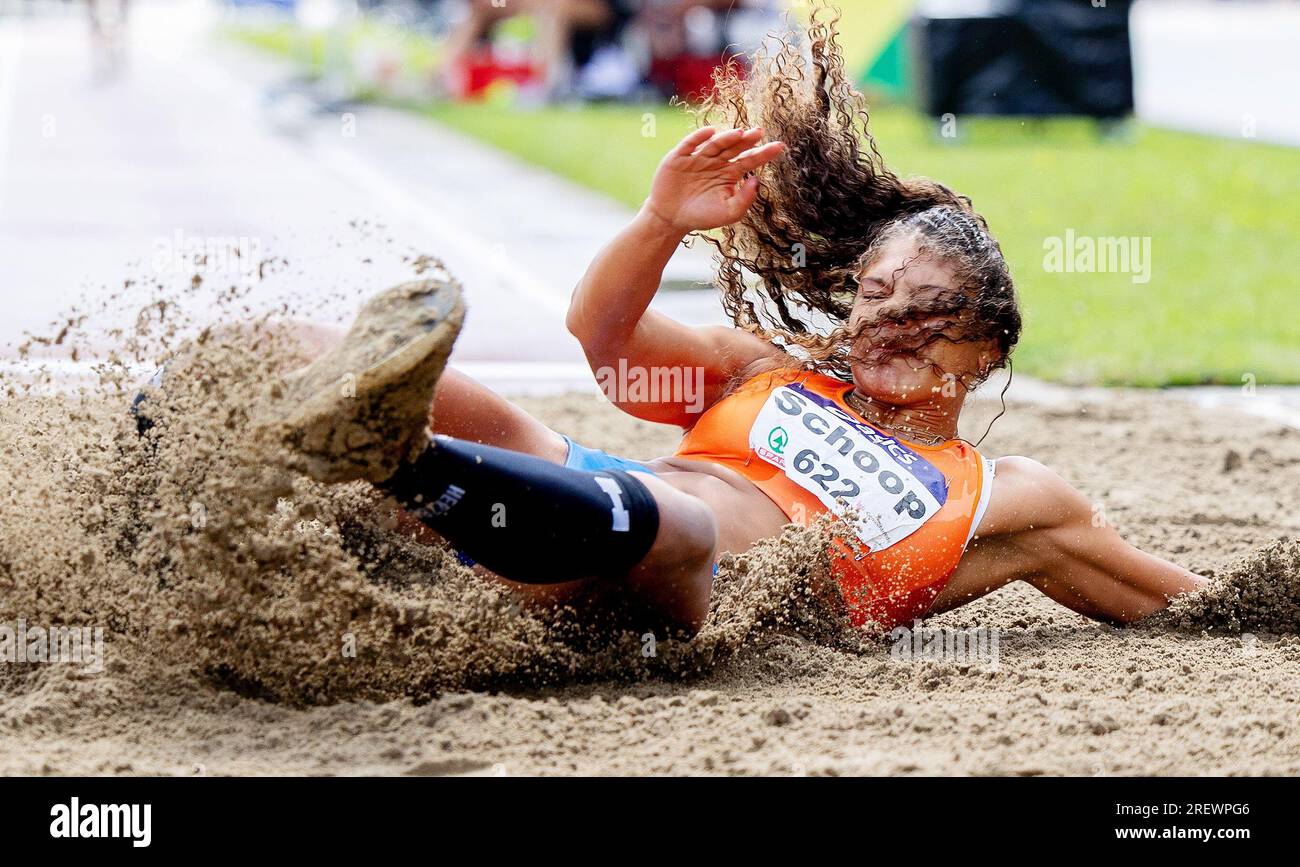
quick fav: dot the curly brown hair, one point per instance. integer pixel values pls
(827, 207)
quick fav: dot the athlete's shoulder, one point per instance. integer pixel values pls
(739, 348)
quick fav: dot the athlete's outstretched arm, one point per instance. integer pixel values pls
(1041, 530)
(701, 184)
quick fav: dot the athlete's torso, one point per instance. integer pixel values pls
(790, 435)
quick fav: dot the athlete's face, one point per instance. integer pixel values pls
(911, 310)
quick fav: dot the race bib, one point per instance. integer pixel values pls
(884, 488)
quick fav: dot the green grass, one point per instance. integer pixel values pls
(415, 53)
(1223, 217)
(610, 148)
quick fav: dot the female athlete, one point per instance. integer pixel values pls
(866, 308)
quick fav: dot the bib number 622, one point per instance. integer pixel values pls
(808, 463)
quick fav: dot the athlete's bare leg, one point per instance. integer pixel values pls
(670, 588)
(466, 409)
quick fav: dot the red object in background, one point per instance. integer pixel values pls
(481, 70)
(688, 76)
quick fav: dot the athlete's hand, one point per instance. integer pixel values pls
(702, 183)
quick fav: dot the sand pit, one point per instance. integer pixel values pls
(256, 622)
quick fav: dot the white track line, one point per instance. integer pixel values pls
(389, 192)
(525, 376)
(364, 175)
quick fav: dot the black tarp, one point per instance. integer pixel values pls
(1039, 57)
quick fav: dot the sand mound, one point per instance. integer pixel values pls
(1260, 592)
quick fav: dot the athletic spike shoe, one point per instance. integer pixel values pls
(361, 409)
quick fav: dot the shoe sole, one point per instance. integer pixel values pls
(363, 407)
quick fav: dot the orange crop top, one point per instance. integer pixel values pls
(913, 507)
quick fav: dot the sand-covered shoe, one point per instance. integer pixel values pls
(359, 410)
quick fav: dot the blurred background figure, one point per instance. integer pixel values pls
(108, 20)
(684, 40)
(567, 35)
(598, 49)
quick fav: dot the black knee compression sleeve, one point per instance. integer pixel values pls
(525, 518)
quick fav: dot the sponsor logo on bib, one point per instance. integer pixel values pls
(861, 474)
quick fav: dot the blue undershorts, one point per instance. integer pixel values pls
(594, 460)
